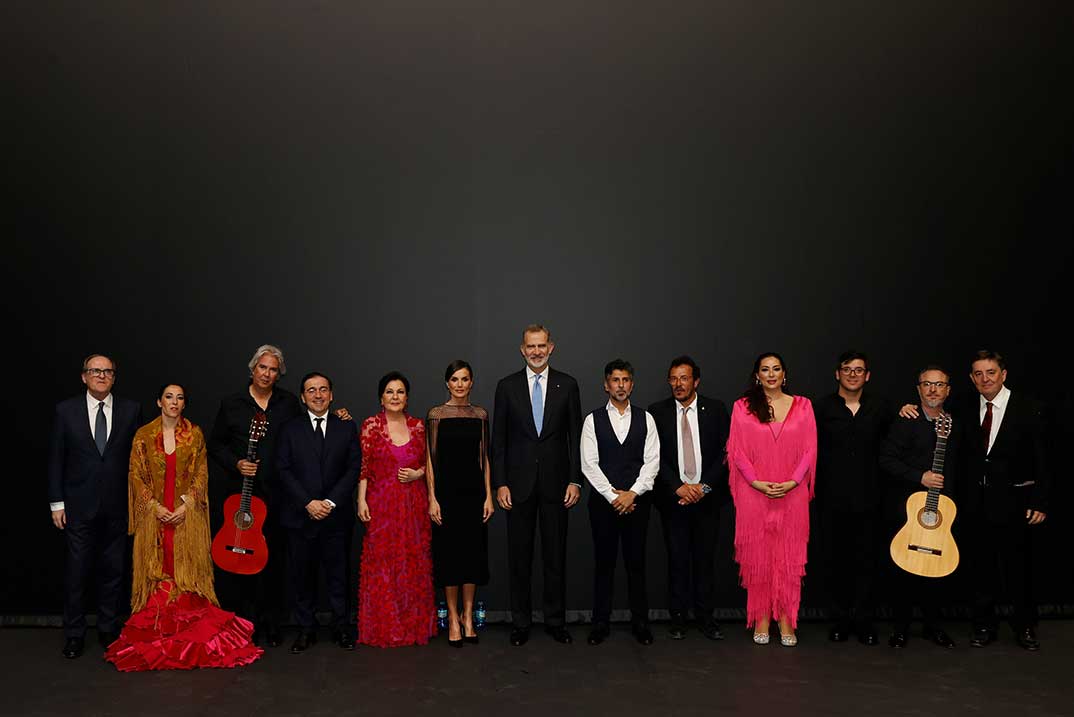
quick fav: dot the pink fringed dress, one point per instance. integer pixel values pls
(771, 533)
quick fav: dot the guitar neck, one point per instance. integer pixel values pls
(248, 481)
(938, 456)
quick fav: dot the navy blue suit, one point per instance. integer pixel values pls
(312, 470)
(93, 489)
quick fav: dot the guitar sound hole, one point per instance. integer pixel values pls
(243, 521)
(929, 519)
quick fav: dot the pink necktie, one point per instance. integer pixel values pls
(689, 462)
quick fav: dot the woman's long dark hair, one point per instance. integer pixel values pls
(756, 401)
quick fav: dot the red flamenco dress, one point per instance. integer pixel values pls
(395, 588)
(177, 629)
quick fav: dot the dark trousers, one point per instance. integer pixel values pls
(99, 546)
(307, 548)
(609, 530)
(913, 590)
(690, 533)
(1001, 564)
(259, 598)
(522, 522)
(851, 546)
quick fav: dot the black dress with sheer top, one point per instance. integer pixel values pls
(458, 450)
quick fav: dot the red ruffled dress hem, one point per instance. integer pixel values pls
(185, 634)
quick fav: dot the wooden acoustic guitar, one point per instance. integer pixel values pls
(239, 546)
(925, 546)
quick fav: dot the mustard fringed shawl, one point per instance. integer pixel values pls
(193, 564)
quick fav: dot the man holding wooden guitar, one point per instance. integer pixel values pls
(908, 456)
(257, 597)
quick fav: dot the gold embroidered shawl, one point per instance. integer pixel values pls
(193, 564)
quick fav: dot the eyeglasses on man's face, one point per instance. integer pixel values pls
(931, 384)
(852, 370)
(98, 372)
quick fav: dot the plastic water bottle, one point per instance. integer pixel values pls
(441, 615)
(479, 614)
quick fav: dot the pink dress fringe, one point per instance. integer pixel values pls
(771, 534)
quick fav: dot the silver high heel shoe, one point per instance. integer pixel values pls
(760, 638)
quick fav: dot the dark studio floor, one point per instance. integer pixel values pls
(692, 676)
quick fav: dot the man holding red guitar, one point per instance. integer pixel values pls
(257, 597)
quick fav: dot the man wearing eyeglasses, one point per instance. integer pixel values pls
(851, 423)
(906, 456)
(88, 461)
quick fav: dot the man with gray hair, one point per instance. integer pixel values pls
(258, 598)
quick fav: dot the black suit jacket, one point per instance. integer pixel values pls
(84, 480)
(305, 473)
(713, 423)
(524, 461)
(1017, 457)
(907, 453)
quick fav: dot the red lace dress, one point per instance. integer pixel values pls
(395, 588)
(180, 631)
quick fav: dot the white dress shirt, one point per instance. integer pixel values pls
(621, 427)
(324, 432)
(999, 408)
(691, 417)
(544, 386)
(92, 406)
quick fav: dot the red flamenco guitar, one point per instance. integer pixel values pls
(240, 545)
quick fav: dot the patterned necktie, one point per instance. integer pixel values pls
(100, 429)
(689, 461)
(319, 430)
(986, 426)
(538, 404)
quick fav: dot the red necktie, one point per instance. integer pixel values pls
(986, 425)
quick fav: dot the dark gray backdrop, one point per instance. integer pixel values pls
(396, 184)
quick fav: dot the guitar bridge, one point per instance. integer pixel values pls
(240, 550)
(924, 549)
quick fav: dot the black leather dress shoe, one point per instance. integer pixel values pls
(1027, 639)
(839, 633)
(642, 634)
(868, 636)
(273, 636)
(897, 640)
(344, 639)
(711, 630)
(559, 634)
(677, 631)
(73, 647)
(520, 636)
(941, 638)
(982, 637)
(106, 638)
(303, 642)
(599, 633)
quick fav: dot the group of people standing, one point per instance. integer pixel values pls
(425, 491)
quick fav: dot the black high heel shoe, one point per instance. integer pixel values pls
(471, 639)
(454, 643)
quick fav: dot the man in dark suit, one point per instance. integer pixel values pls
(536, 470)
(691, 489)
(87, 484)
(1004, 494)
(319, 459)
(257, 598)
(907, 457)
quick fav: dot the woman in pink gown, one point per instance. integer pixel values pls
(395, 587)
(177, 622)
(772, 456)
